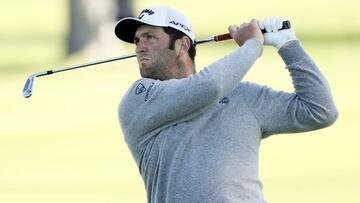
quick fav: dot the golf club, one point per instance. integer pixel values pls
(27, 91)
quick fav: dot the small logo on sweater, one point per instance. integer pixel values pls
(148, 91)
(140, 88)
(224, 100)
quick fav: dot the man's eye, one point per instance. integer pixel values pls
(149, 36)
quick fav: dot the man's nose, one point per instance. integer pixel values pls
(140, 46)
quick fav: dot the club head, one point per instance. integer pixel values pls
(27, 91)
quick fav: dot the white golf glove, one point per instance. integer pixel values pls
(273, 35)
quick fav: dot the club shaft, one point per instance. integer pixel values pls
(27, 90)
(217, 38)
(61, 69)
(67, 68)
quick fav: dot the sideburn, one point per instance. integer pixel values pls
(172, 44)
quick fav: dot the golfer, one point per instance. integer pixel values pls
(195, 136)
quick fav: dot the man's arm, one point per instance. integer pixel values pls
(310, 107)
(152, 105)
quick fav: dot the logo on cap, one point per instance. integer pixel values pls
(146, 11)
(181, 25)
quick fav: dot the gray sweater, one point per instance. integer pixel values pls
(197, 139)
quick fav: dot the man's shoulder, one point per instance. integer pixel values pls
(249, 86)
(140, 86)
(248, 90)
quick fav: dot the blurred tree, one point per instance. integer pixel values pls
(92, 22)
(124, 9)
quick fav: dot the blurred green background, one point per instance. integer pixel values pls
(64, 143)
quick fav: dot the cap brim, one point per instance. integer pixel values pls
(125, 29)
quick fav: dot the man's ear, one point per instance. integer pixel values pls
(183, 45)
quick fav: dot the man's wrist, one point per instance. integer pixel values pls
(256, 43)
(284, 43)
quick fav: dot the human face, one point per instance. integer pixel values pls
(155, 58)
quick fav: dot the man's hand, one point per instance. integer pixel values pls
(246, 31)
(273, 35)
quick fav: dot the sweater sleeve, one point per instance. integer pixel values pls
(310, 107)
(152, 105)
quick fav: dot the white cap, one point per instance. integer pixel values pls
(157, 16)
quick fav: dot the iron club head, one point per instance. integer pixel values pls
(27, 91)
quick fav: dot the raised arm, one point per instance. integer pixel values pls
(152, 105)
(310, 107)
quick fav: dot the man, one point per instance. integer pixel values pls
(195, 136)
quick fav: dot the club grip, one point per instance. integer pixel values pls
(286, 25)
(222, 37)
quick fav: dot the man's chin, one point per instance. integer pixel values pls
(145, 64)
(145, 71)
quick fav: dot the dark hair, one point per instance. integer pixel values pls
(176, 34)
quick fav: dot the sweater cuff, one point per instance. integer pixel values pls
(257, 46)
(291, 51)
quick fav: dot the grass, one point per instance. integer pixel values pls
(64, 143)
